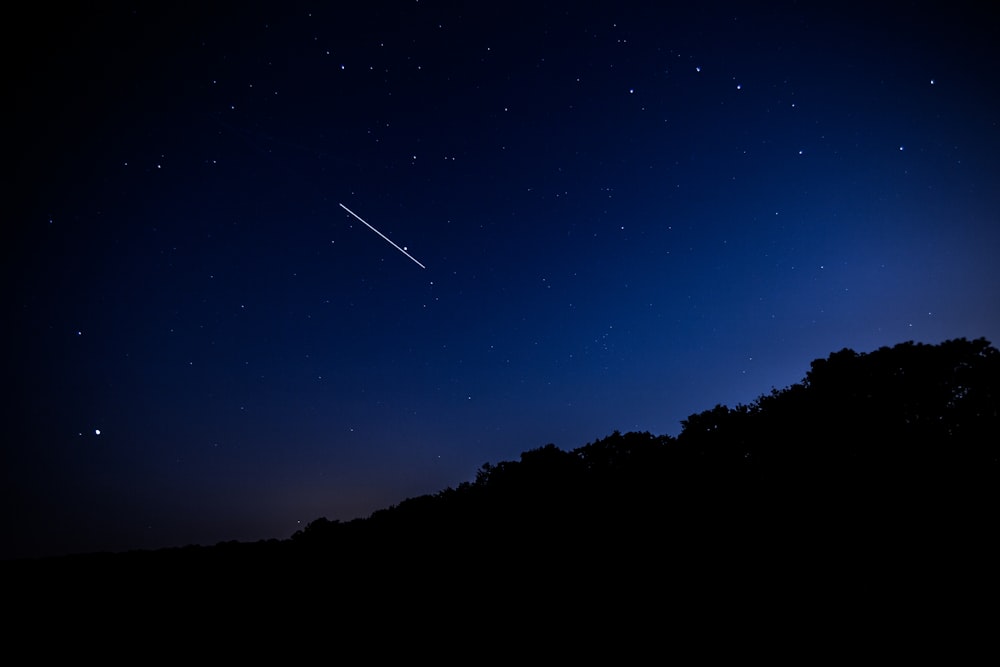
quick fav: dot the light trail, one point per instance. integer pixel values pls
(384, 236)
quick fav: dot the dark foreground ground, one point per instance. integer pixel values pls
(772, 577)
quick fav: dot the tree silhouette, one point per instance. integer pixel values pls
(880, 454)
(912, 406)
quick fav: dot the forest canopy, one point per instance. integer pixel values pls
(914, 419)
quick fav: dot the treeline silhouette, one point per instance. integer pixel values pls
(853, 510)
(911, 424)
(883, 451)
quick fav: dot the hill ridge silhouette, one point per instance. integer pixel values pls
(853, 510)
(914, 420)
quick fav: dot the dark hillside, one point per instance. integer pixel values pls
(876, 469)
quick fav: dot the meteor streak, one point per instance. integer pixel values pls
(383, 236)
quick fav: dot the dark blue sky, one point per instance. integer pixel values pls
(627, 214)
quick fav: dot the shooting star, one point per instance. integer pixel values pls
(384, 236)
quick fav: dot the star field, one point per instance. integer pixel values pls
(623, 215)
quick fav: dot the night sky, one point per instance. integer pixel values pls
(625, 214)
